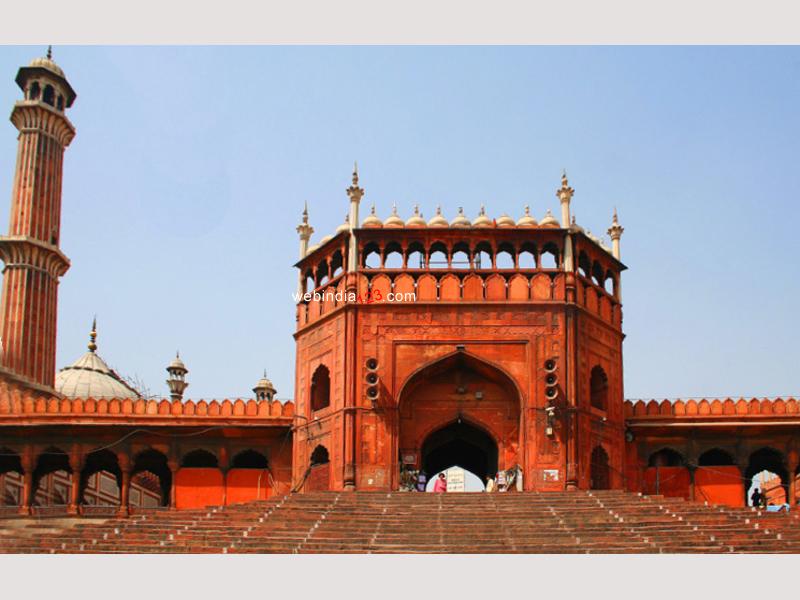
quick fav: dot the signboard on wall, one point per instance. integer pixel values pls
(550, 474)
(455, 479)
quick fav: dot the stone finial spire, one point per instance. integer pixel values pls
(177, 377)
(564, 194)
(49, 52)
(355, 193)
(615, 233)
(304, 230)
(93, 336)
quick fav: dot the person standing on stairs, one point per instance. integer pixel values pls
(441, 484)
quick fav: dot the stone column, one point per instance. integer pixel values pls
(792, 462)
(76, 465)
(173, 468)
(28, 490)
(125, 485)
(692, 469)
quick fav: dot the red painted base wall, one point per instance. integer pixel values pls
(672, 481)
(195, 488)
(245, 485)
(719, 485)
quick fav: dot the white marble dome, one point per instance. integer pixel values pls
(91, 377)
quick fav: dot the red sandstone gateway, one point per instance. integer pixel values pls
(501, 351)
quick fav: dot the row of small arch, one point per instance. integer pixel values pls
(450, 287)
(128, 406)
(755, 406)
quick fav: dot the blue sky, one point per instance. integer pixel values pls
(189, 171)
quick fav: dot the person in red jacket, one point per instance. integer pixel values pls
(441, 483)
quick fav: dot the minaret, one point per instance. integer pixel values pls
(615, 232)
(264, 389)
(177, 378)
(30, 251)
(305, 230)
(355, 194)
(564, 194)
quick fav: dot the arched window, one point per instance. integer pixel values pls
(483, 255)
(372, 256)
(10, 478)
(437, 256)
(249, 459)
(60, 103)
(549, 257)
(393, 256)
(415, 256)
(666, 457)
(199, 459)
(320, 388)
(49, 96)
(151, 471)
(322, 273)
(715, 457)
(35, 90)
(337, 264)
(319, 456)
(460, 258)
(527, 256)
(599, 388)
(505, 256)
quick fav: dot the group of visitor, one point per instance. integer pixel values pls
(413, 480)
(504, 481)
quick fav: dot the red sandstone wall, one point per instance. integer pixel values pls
(195, 487)
(245, 485)
(719, 485)
(673, 481)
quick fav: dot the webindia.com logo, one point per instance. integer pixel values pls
(370, 297)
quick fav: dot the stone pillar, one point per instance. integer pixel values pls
(28, 490)
(124, 493)
(564, 195)
(76, 465)
(125, 484)
(792, 462)
(692, 491)
(173, 468)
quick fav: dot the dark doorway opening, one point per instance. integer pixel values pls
(599, 471)
(461, 444)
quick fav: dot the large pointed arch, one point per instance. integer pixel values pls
(473, 405)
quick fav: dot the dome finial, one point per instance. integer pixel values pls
(50, 53)
(93, 335)
(355, 172)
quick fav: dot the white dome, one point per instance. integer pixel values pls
(438, 220)
(393, 220)
(505, 221)
(372, 219)
(91, 377)
(482, 220)
(416, 219)
(527, 220)
(460, 220)
(549, 220)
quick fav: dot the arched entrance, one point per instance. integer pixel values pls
(599, 472)
(460, 444)
(459, 410)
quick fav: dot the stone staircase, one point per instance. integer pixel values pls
(331, 522)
